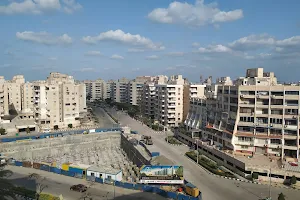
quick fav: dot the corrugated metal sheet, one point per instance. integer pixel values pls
(65, 166)
(27, 164)
(36, 165)
(76, 170)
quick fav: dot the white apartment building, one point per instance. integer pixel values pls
(162, 100)
(96, 89)
(58, 101)
(256, 115)
(136, 89)
(120, 91)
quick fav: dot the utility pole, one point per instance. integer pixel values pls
(197, 151)
(270, 185)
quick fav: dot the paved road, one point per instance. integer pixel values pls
(59, 184)
(104, 120)
(213, 188)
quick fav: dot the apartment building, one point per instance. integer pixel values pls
(120, 91)
(256, 115)
(57, 101)
(136, 89)
(162, 100)
(96, 89)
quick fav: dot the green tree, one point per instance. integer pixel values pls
(70, 125)
(293, 180)
(27, 130)
(281, 196)
(55, 127)
(179, 171)
(2, 131)
(6, 187)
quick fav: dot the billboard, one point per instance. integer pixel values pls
(161, 174)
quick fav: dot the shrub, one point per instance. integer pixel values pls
(55, 127)
(293, 180)
(70, 125)
(255, 175)
(281, 196)
(2, 131)
(27, 130)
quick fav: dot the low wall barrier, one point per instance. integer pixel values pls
(56, 134)
(132, 186)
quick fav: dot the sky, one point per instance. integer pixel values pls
(128, 38)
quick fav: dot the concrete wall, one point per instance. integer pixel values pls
(132, 153)
(39, 149)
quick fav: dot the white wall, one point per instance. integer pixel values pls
(117, 177)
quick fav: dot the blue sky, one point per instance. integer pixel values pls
(117, 38)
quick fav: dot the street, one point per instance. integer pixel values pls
(213, 188)
(59, 184)
(103, 119)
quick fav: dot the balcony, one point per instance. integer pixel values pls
(242, 123)
(171, 106)
(246, 104)
(247, 96)
(243, 142)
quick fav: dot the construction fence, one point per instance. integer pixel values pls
(132, 186)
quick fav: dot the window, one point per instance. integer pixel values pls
(179, 104)
(178, 98)
(244, 147)
(92, 174)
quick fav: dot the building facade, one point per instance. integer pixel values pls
(57, 101)
(256, 115)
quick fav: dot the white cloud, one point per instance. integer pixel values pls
(71, 6)
(289, 42)
(93, 53)
(215, 49)
(44, 38)
(126, 38)
(175, 53)
(133, 50)
(198, 14)
(152, 57)
(117, 57)
(253, 42)
(195, 44)
(39, 6)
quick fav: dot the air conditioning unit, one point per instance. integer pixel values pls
(285, 126)
(273, 96)
(257, 96)
(271, 125)
(241, 95)
(294, 117)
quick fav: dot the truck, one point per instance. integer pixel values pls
(148, 140)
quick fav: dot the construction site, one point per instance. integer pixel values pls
(102, 150)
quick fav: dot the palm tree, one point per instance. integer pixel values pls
(6, 187)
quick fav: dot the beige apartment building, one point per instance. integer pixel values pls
(256, 115)
(96, 89)
(57, 101)
(166, 100)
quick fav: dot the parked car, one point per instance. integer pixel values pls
(78, 188)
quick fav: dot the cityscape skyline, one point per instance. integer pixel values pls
(90, 40)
